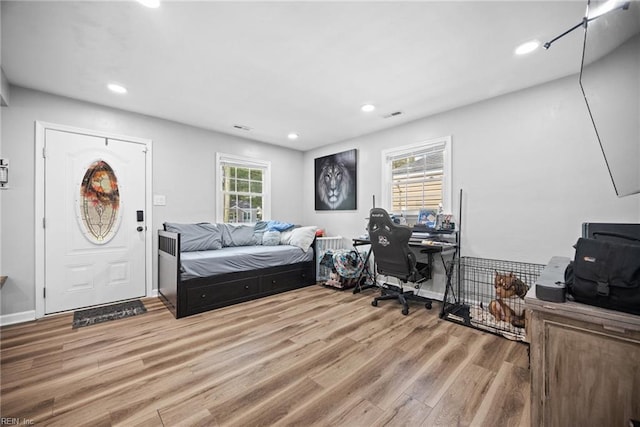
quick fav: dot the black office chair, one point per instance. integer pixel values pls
(393, 257)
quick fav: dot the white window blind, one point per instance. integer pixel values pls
(417, 176)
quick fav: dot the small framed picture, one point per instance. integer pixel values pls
(428, 218)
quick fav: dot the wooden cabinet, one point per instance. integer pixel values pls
(585, 364)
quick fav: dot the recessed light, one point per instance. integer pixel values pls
(153, 4)
(606, 7)
(113, 87)
(292, 136)
(367, 108)
(527, 47)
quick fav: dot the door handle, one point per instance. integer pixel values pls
(140, 228)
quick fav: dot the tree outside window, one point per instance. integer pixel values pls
(242, 189)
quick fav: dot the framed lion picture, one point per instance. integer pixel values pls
(336, 181)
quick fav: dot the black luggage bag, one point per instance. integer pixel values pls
(606, 272)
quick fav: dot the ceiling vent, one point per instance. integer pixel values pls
(396, 113)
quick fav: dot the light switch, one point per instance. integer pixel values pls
(159, 200)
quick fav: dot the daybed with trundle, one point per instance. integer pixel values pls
(206, 266)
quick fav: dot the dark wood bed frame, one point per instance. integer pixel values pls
(198, 295)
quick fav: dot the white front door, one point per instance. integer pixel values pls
(94, 229)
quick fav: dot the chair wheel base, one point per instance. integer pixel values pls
(405, 311)
(374, 303)
(428, 305)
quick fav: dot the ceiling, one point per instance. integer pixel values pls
(281, 67)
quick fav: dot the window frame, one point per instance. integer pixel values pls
(243, 162)
(447, 180)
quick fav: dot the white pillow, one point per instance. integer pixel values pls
(301, 237)
(285, 237)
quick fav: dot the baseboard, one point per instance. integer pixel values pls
(13, 318)
(436, 296)
(426, 293)
(28, 316)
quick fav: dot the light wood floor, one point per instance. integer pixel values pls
(314, 356)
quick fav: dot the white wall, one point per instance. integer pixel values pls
(607, 82)
(183, 171)
(529, 165)
(528, 162)
(4, 88)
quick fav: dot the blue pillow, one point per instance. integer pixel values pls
(279, 226)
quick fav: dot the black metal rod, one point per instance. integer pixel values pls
(584, 23)
(547, 45)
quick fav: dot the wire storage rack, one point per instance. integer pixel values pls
(324, 244)
(488, 294)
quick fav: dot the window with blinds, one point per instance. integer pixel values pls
(417, 176)
(242, 190)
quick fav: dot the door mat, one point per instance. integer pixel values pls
(92, 316)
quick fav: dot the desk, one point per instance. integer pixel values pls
(360, 286)
(424, 250)
(430, 249)
(438, 246)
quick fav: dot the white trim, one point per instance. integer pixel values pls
(436, 296)
(38, 218)
(248, 162)
(418, 146)
(29, 316)
(426, 293)
(243, 161)
(447, 180)
(40, 128)
(13, 318)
